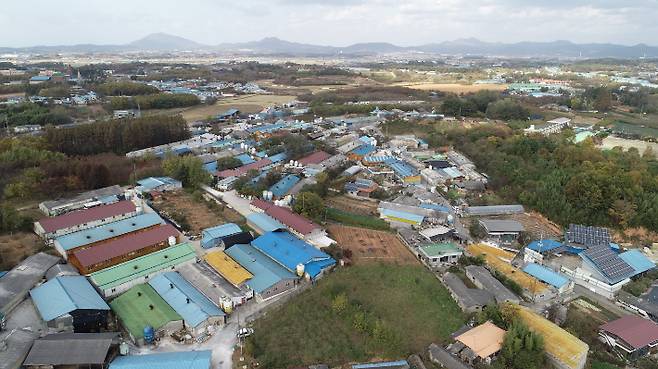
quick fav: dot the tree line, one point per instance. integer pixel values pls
(29, 113)
(154, 101)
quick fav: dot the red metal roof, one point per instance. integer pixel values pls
(292, 220)
(124, 245)
(78, 217)
(315, 158)
(637, 332)
(240, 171)
(261, 204)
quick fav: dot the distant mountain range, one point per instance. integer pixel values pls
(162, 42)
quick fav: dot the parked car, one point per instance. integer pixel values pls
(245, 332)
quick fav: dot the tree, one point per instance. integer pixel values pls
(187, 169)
(522, 348)
(309, 204)
(228, 162)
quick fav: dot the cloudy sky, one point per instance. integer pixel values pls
(328, 22)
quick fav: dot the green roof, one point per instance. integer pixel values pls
(439, 249)
(133, 309)
(141, 266)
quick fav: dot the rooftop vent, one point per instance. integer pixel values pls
(151, 307)
(187, 300)
(171, 285)
(139, 294)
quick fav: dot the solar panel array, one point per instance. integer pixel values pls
(609, 263)
(588, 236)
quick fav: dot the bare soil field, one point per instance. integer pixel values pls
(16, 247)
(452, 87)
(538, 225)
(369, 245)
(198, 215)
(611, 142)
(352, 205)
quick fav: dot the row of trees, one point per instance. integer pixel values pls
(484, 103)
(154, 101)
(29, 113)
(125, 88)
(118, 136)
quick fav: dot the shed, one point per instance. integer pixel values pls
(547, 276)
(168, 360)
(213, 237)
(73, 350)
(263, 223)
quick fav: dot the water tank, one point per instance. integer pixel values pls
(296, 163)
(270, 195)
(291, 163)
(124, 349)
(451, 218)
(300, 270)
(227, 305)
(171, 240)
(265, 194)
(128, 195)
(149, 334)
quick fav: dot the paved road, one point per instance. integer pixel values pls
(232, 199)
(604, 302)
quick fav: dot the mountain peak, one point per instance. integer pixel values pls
(164, 41)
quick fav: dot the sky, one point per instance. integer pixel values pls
(328, 22)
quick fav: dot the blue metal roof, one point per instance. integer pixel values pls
(167, 360)
(387, 364)
(107, 231)
(65, 294)
(212, 236)
(176, 291)
(377, 159)
(637, 260)
(267, 128)
(544, 245)
(265, 222)
(390, 213)
(266, 272)
(278, 157)
(452, 172)
(402, 169)
(284, 185)
(289, 251)
(546, 275)
(245, 159)
(223, 143)
(152, 183)
(40, 78)
(210, 167)
(364, 150)
(441, 208)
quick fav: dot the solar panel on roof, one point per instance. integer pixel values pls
(588, 236)
(610, 264)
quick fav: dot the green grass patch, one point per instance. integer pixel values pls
(603, 365)
(357, 314)
(630, 128)
(356, 220)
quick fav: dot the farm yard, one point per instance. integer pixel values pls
(16, 247)
(192, 214)
(356, 206)
(369, 245)
(347, 318)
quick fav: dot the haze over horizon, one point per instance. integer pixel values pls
(330, 22)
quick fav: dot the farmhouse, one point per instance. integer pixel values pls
(438, 254)
(263, 223)
(559, 282)
(631, 336)
(228, 268)
(296, 223)
(481, 343)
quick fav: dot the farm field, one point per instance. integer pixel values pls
(367, 311)
(357, 220)
(368, 245)
(452, 87)
(244, 103)
(16, 247)
(500, 260)
(357, 206)
(181, 205)
(637, 129)
(612, 141)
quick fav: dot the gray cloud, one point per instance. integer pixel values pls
(334, 22)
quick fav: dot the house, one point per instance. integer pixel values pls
(404, 171)
(263, 223)
(158, 184)
(70, 303)
(119, 278)
(503, 231)
(17, 283)
(294, 254)
(361, 187)
(439, 254)
(556, 280)
(106, 254)
(49, 228)
(631, 336)
(214, 236)
(71, 242)
(141, 307)
(104, 195)
(73, 350)
(269, 279)
(168, 360)
(228, 268)
(481, 277)
(483, 341)
(197, 311)
(470, 300)
(35, 80)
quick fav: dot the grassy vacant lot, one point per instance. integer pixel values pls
(453, 87)
(356, 220)
(196, 214)
(18, 246)
(360, 313)
(245, 103)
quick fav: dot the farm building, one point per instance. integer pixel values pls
(492, 210)
(17, 283)
(481, 277)
(158, 184)
(73, 351)
(645, 305)
(581, 236)
(78, 220)
(481, 343)
(470, 300)
(294, 254)
(70, 303)
(240, 171)
(86, 238)
(103, 195)
(106, 254)
(361, 187)
(503, 231)
(437, 254)
(404, 171)
(142, 307)
(400, 364)
(296, 223)
(631, 336)
(284, 185)
(242, 237)
(168, 360)
(439, 356)
(213, 237)
(269, 278)
(550, 277)
(228, 268)
(119, 278)
(197, 311)
(314, 158)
